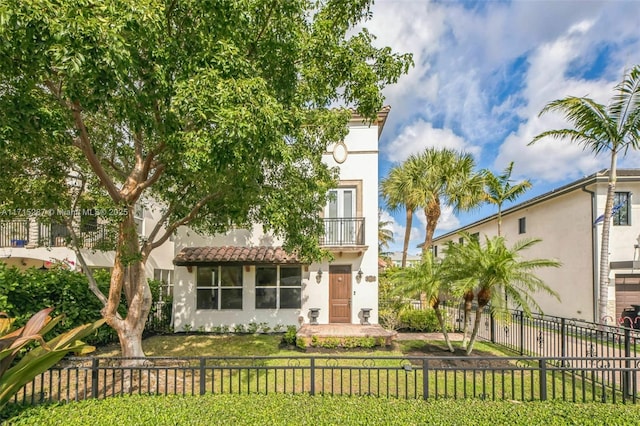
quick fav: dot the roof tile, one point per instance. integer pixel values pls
(234, 254)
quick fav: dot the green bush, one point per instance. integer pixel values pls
(277, 409)
(419, 320)
(23, 293)
(289, 336)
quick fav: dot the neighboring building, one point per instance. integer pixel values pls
(564, 219)
(244, 276)
(33, 242)
(396, 258)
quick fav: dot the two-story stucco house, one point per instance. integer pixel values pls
(566, 219)
(33, 241)
(244, 276)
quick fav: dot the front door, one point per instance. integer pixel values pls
(340, 294)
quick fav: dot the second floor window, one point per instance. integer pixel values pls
(340, 214)
(621, 209)
(522, 225)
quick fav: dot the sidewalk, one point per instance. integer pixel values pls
(454, 337)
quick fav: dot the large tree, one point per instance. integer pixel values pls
(499, 189)
(220, 111)
(491, 269)
(400, 189)
(424, 280)
(445, 176)
(614, 129)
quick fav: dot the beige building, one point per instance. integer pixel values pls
(566, 219)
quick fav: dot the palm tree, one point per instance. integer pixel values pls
(385, 235)
(446, 177)
(424, 280)
(499, 189)
(492, 269)
(399, 189)
(614, 129)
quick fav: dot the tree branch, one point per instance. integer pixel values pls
(149, 246)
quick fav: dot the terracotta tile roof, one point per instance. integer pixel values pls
(231, 254)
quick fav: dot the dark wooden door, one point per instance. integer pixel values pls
(340, 294)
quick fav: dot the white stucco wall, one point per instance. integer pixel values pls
(361, 164)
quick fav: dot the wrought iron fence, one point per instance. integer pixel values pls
(15, 233)
(515, 378)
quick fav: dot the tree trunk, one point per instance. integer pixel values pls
(604, 249)
(128, 278)
(443, 326)
(468, 300)
(407, 236)
(432, 213)
(476, 327)
(499, 219)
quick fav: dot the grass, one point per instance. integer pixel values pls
(278, 409)
(180, 345)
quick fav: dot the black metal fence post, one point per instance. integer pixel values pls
(521, 319)
(94, 378)
(312, 362)
(542, 363)
(203, 375)
(563, 338)
(626, 379)
(425, 379)
(492, 322)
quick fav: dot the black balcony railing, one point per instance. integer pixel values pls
(343, 232)
(15, 233)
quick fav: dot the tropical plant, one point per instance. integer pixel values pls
(499, 190)
(491, 270)
(399, 189)
(445, 176)
(218, 111)
(14, 375)
(385, 235)
(614, 128)
(424, 280)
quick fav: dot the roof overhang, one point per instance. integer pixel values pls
(194, 256)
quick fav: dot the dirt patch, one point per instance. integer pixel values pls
(442, 358)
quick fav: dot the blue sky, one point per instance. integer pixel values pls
(484, 70)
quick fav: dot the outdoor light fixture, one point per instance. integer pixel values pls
(319, 275)
(359, 275)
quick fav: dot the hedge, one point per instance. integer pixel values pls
(25, 292)
(280, 409)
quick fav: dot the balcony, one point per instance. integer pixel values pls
(31, 233)
(343, 232)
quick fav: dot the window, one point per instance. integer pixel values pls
(621, 211)
(435, 251)
(278, 287)
(89, 222)
(522, 225)
(138, 218)
(461, 240)
(475, 236)
(219, 287)
(165, 276)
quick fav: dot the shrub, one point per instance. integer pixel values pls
(419, 320)
(289, 336)
(252, 328)
(239, 328)
(263, 327)
(389, 319)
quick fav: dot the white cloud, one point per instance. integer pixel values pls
(447, 221)
(398, 230)
(420, 135)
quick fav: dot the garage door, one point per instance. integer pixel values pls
(627, 291)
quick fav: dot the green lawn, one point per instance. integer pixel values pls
(278, 409)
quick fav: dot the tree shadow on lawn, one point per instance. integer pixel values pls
(458, 358)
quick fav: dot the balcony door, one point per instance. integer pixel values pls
(339, 215)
